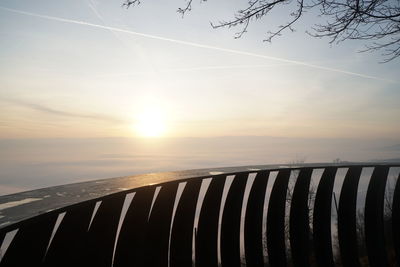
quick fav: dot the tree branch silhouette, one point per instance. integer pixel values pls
(376, 22)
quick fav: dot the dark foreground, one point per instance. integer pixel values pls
(323, 214)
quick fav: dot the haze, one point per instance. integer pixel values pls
(91, 90)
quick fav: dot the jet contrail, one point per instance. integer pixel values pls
(92, 7)
(233, 51)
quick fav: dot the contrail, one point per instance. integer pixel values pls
(92, 7)
(233, 51)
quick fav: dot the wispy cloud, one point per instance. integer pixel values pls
(63, 113)
(233, 51)
(189, 69)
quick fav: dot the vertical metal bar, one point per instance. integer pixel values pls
(335, 201)
(182, 228)
(396, 220)
(253, 236)
(2, 236)
(130, 246)
(101, 235)
(299, 221)
(157, 237)
(207, 232)
(276, 220)
(69, 242)
(374, 223)
(322, 218)
(230, 228)
(30, 243)
(347, 218)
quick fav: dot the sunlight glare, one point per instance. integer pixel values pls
(150, 123)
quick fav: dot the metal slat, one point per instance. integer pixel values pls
(2, 236)
(67, 246)
(396, 220)
(322, 218)
(253, 235)
(101, 235)
(207, 232)
(299, 220)
(182, 228)
(230, 228)
(276, 220)
(374, 223)
(145, 236)
(130, 249)
(30, 243)
(158, 229)
(347, 218)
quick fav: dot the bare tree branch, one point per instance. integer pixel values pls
(185, 9)
(129, 3)
(377, 22)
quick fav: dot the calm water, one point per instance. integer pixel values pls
(29, 164)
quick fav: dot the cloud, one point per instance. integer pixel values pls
(56, 112)
(232, 51)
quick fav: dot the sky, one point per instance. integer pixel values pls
(93, 71)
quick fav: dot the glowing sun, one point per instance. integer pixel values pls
(150, 123)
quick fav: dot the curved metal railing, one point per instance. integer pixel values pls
(303, 216)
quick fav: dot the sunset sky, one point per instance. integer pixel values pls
(92, 69)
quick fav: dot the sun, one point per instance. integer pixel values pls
(150, 123)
